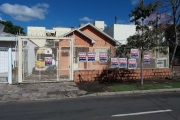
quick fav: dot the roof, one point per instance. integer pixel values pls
(92, 40)
(4, 34)
(7, 37)
(79, 29)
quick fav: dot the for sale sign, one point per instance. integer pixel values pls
(102, 56)
(82, 56)
(146, 59)
(134, 53)
(48, 61)
(114, 63)
(132, 64)
(91, 56)
(122, 62)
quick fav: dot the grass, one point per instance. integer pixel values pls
(118, 88)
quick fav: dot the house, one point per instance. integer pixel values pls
(87, 38)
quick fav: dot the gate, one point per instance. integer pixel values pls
(48, 63)
(4, 63)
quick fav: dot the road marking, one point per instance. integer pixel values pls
(141, 113)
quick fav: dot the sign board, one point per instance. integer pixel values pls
(134, 53)
(122, 62)
(146, 59)
(98, 50)
(48, 61)
(48, 51)
(114, 63)
(132, 64)
(82, 56)
(91, 56)
(102, 56)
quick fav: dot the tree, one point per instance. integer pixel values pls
(10, 28)
(147, 37)
(172, 7)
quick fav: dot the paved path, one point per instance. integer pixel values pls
(40, 91)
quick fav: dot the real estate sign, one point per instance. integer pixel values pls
(134, 53)
(122, 62)
(48, 61)
(91, 56)
(132, 64)
(82, 56)
(114, 63)
(102, 56)
(146, 59)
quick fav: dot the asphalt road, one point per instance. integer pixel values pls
(136, 107)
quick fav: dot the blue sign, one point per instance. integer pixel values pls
(48, 61)
(102, 56)
(122, 62)
(146, 59)
(82, 56)
(91, 56)
(132, 64)
(114, 63)
(134, 53)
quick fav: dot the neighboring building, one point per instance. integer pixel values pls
(42, 31)
(121, 32)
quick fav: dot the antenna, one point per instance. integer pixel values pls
(115, 19)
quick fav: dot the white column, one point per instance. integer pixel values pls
(71, 59)
(19, 60)
(10, 66)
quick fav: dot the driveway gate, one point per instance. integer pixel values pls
(49, 63)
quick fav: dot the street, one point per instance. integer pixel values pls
(164, 106)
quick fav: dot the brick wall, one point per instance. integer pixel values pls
(120, 74)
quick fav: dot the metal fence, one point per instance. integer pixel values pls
(92, 65)
(4, 63)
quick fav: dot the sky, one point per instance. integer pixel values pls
(66, 13)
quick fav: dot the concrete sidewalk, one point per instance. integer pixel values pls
(39, 91)
(62, 90)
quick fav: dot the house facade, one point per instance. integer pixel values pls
(87, 38)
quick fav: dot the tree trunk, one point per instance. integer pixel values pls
(172, 59)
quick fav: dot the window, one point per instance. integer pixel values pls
(161, 63)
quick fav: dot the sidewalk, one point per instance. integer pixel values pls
(48, 91)
(39, 91)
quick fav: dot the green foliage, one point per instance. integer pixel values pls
(10, 28)
(147, 37)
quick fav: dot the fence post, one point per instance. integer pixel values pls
(10, 66)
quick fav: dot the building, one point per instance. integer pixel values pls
(121, 32)
(87, 38)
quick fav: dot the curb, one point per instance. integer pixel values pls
(133, 92)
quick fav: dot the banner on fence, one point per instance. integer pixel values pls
(82, 56)
(102, 56)
(122, 62)
(91, 56)
(114, 63)
(146, 59)
(132, 64)
(134, 53)
(48, 61)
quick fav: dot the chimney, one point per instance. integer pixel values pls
(81, 25)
